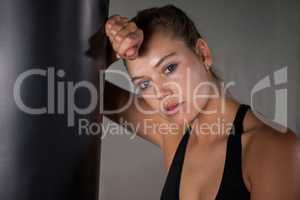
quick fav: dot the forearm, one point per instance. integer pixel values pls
(114, 99)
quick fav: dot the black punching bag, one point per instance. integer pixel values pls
(50, 95)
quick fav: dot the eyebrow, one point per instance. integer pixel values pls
(156, 65)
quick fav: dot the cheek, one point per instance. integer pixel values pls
(197, 88)
(193, 80)
(200, 94)
(150, 98)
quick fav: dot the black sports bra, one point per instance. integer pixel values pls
(232, 184)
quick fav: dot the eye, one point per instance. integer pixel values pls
(170, 68)
(144, 84)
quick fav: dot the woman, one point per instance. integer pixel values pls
(171, 66)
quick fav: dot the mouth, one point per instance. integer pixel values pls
(172, 108)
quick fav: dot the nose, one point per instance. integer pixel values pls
(162, 92)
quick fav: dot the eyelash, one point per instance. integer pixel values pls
(142, 83)
(166, 68)
(173, 68)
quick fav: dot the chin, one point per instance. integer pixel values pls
(180, 119)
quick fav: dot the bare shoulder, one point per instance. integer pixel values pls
(266, 141)
(272, 160)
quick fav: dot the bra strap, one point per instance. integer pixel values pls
(238, 128)
(232, 180)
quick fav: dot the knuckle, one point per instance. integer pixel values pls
(125, 17)
(129, 40)
(112, 19)
(125, 32)
(119, 37)
(132, 25)
(107, 24)
(124, 20)
(121, 34)
(116, 25)
(114, 30)
(115, 16)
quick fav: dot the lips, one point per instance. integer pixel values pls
(171, 107)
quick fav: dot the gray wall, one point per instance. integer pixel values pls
(249, 40)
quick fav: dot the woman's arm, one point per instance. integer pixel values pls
(149, 126)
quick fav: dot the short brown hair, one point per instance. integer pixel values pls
(170, 19)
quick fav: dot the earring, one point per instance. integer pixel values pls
(207, 67)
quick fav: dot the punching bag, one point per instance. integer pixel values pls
(50, 95)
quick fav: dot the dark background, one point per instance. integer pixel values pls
(40, 156)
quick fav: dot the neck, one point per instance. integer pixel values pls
(215, 119)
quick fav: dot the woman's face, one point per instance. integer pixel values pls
(171, 78)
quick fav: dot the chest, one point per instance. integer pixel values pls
(202, 172)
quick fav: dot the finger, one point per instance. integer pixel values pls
(116, 43)
(131, 52)
(118, 39)
(115, 29)
(132, 26)
(122, 34)
(130, 41)
(111, 20)
(116, 22)
(114, 18)
(125, 18)
(117, 26)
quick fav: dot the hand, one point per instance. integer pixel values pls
(125, 37)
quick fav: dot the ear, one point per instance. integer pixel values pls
(204, 52)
